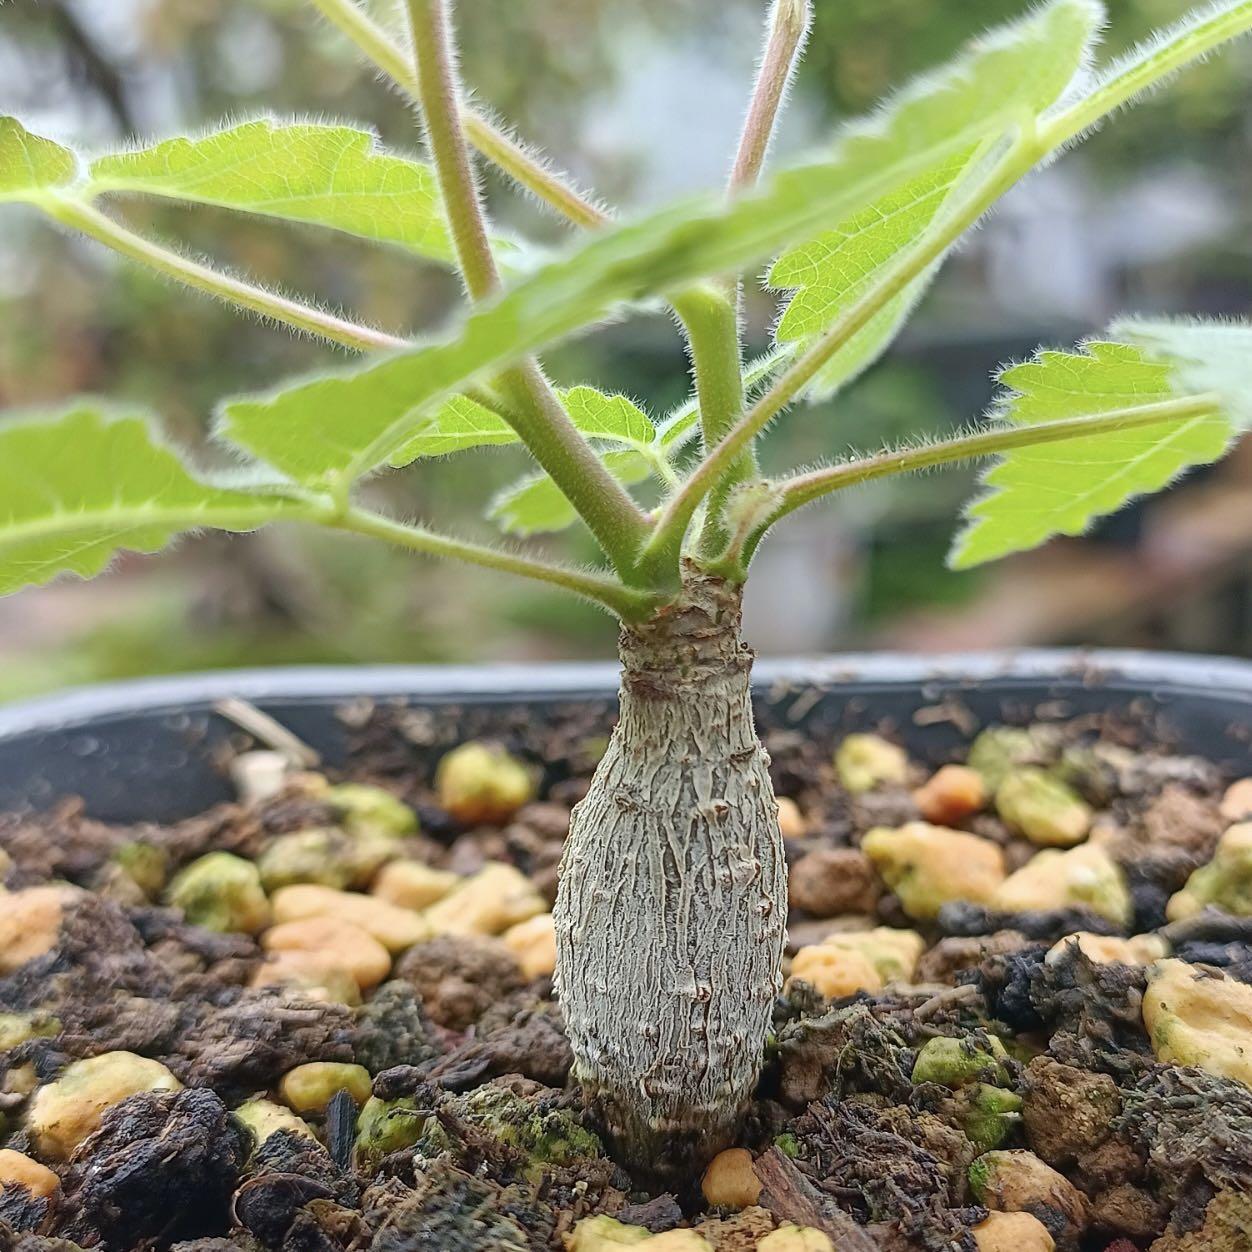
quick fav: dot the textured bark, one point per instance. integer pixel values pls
(671, 907)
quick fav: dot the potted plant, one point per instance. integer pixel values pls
(671, 918)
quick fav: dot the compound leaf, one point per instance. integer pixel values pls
(1059, 488)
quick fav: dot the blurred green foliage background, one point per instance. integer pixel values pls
(640, 99)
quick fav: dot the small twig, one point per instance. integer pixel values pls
(626, 602)
(267, 730)
(790, 1195)
(805, 488)
(949, 997)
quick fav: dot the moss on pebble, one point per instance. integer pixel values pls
(221, 892)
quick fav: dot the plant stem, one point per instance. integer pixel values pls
(439, 94)
(619, 525)
(707, 338)
(537, 415)
(669, 917)
(630, 605)
(305, 317)
(668, 533)
(788, 29)
(710, 318)
(550, 188)
(712, 327)
(1141, 74)
(806, 488)
(710, 321)
(492, 142)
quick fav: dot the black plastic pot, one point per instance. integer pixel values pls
(152, 750)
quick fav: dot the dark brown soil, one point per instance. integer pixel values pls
(1146, 1155)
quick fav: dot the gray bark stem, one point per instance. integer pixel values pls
(671, 910)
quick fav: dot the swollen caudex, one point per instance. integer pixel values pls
(670, 919)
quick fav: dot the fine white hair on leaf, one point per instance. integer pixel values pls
(235, 121)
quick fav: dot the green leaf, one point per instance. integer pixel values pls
(1012, 74)
(78, 488)
(828, 275)
(614, 417)
(331, 176)
(1059, 488)
(30, 163)
(823, 273)
(536, 505)
(354, 423)
(461, 424)
(1207, 356)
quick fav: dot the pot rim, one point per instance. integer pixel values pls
(1116, 669)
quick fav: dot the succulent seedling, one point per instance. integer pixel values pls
(671, 911)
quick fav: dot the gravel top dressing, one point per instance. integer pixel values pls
(1017, 1016)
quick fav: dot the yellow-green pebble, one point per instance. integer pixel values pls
(1044, 809)
(956, 1062)
(1201, 1018)
(63, 1113)
(264, 1118)
(371, 810)
(929, 866)
(327, 857)
(310, 1088)
(17, 1028)
(221, 892)
(146, 865)
(1083, 877)
(482, 783)
(1000, 749)
(864, 762)
(1225, 882)
(386, 1126)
